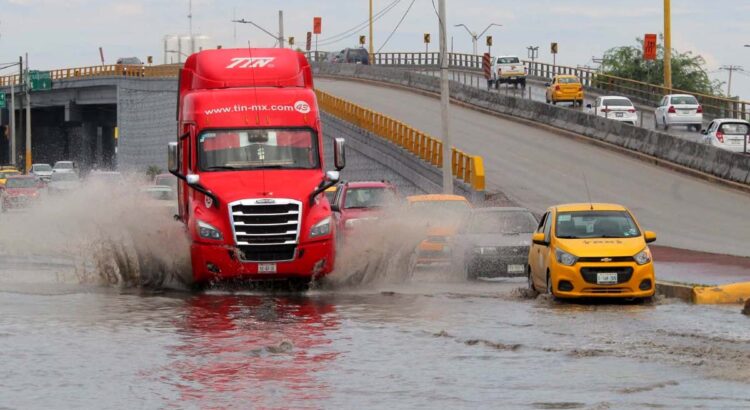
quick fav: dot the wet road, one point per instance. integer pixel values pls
(417, 345)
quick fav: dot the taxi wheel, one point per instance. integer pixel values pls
(550, 291)
(530, 280)
(554, 102)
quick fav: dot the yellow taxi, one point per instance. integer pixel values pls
(591, 250)
(565, 88)
(6, 172)
(443, 214)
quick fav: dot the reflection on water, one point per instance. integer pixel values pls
(252, 349)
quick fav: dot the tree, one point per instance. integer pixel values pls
(152, 171)
(688, 70)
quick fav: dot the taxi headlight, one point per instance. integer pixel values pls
(643, 257)
(208, 231)
(565, 258)
(321, 228)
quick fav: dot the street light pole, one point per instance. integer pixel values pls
(475, 36)
(281, 28)
(445, 103)
(667, 46)
(371, 47)
(279, 37)
(28, 117)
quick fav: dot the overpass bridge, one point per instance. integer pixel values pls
(527, 161)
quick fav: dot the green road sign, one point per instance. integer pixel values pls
(2, 100)
(40, 80)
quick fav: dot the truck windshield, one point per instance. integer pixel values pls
(258, 149)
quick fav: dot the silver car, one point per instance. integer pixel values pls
(728, 133)
(679, 109)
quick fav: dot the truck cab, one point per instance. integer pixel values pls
(249, 160)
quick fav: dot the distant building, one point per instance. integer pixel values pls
(177, 47)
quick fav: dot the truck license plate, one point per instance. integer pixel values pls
(606, 278)
(516, 268)
(267, 268)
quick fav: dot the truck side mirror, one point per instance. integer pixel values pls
(333, 176)
(339, 153)
(172, 163)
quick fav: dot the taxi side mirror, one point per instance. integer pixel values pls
(538, 239)
(649, 236)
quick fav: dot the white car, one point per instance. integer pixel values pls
(508, 70)
(65, 166)
(728, 133)
(679, 109)
(41, 171)
(614, 108)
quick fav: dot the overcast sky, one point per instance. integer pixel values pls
(68, 33)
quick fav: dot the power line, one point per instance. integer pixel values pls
(730, 68)
(397, 26)
(353, 31)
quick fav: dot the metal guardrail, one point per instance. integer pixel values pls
(466, 167)
(111, 70)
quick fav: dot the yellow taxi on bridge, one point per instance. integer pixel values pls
(591, 250)
(5, 172)
(443, 214)
(565, 88)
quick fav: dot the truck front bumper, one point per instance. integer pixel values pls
(221, 262)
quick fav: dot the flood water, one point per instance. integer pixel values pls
(71, 336)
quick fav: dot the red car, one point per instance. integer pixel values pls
(359, 202)
(21, 191)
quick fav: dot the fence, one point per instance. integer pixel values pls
(111, 70)
(466, 167)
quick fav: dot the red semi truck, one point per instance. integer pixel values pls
(249, 159)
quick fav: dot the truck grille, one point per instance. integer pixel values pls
(266, 230)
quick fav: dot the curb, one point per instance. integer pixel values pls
(675, 290)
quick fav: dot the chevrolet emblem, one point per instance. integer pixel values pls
(606, 259)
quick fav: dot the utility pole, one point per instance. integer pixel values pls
(12, 123)
(730, 68)
(190, 24)
(281, 28)
(445, 103)
(371, 47)
(667, 45)
(28, 117)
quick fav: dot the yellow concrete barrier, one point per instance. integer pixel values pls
(466, 167)
(724, 294)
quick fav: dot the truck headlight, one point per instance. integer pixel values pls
(565, 258)
(321, 228)
(643, 257)
(208, 231)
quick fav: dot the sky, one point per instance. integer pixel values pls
(68, 33)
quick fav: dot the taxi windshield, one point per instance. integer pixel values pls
(258, 149)
(595, 224)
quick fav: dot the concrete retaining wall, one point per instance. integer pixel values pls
(710, 160)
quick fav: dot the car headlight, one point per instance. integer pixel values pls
(321, 228)
(208, 231)
(643, 257)
(486, 250)
(565, 258)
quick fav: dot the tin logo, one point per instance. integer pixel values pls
(302, 107)
(250, 62)
(265, 201)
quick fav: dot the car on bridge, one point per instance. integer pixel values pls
(493, 242)
(21, 191)
(508, 70)
(564, 88)
(615, 108)
(679, 109)
(360, 202)
(352, 56)
(730, 134)
(591, 250)
(442, 215)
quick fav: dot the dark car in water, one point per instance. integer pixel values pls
(494, 242)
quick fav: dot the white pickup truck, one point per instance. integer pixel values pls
(507, 70)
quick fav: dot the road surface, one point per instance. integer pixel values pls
(537, 168)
